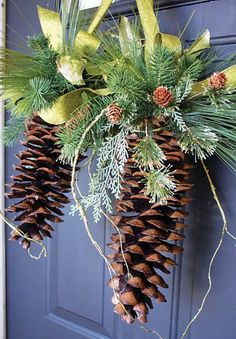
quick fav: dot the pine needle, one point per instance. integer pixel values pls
(14, 130)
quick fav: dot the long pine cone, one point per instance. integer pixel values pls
(42, 184)
(148, 232)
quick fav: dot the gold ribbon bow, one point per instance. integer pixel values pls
(71, 66)
(152, 32)
(153, 35)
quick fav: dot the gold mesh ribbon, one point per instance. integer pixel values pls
(67, 104)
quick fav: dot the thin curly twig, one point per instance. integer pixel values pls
(77, 153)
(79, 206)
(121, 243)
(25, 236)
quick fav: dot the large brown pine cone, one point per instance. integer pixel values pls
(149, 232)
(42, 184)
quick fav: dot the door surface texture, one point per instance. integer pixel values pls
(66, 296)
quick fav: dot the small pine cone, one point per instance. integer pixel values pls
(41, 185)
(217, 81)
(114, 113)
(148, 231)
(162, 96)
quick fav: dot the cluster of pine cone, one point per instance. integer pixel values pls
(147, 230)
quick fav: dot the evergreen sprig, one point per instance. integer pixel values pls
(162, 68)
(159, 185)
(201, 122)
(218, 98)
(106, 181)
(190, 66)
(13, 130)
(38, 43)
(127, 83)
(31, 82)
(40, 93)
(70, 135)
(221, 121)
(148, 155)
(183, 89)
(201, 142)
(177, 119)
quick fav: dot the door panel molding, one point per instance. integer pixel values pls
(71, 326)
(223, 40)
(62, 314)
(128, 7)
(174, 302)
(2, 226)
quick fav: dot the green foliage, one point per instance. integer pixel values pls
(204, 124)
(61, 85)
(31, 83)
(106, 181)
(127, 83)
(183, 89)
(162, 68)
(219, 120)
(159, 185)
(38, 43)
(70, 134)
(201, 142)
(13, 130)
(40, 93)
(133, 81)
(148, 154)
(190, 66)
(175, 118)
(218, 98)
(15, 71)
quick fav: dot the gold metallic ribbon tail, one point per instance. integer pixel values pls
(51, 26)
(99, 15)
(150, 25)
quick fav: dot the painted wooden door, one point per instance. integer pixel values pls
(65, 296)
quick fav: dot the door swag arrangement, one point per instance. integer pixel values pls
(140, 102)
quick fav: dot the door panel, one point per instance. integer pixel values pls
(218, 317)
(66, 297)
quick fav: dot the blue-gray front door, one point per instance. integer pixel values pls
(65, 296)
